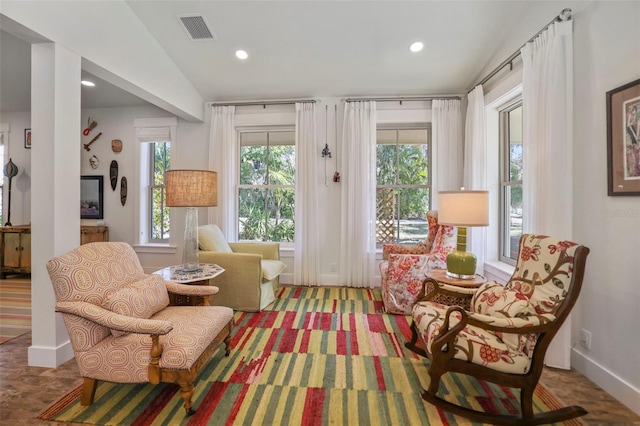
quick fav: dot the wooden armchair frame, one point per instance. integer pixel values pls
(443, 361)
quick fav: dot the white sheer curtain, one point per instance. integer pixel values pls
(446, 121)
(223, 153)
(475, 166)
(547, 172)
(358, 207)
(307, 255)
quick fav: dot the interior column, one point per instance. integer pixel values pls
(55, 190)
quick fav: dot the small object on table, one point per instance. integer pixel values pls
(205, 272)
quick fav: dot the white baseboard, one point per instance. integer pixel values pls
(40, 356)
(618, 388)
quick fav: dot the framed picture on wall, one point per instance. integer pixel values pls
(623, 139)
(91, 197)
(27, 138)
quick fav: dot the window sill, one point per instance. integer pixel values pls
(155, 248)
(498, 270)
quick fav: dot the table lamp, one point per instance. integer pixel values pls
(191, 189)
(462, 209)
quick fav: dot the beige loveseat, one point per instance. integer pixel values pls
(252, 270)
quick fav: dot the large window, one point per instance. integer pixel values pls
(403, 184)
(267, 183)
(511, 181)
(160, 159)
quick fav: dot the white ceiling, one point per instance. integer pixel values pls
(304, 49)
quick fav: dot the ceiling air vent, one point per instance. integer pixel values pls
(196, 27)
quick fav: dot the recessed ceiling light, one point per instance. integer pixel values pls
(87, 83)
(241, 54)
(416, 46)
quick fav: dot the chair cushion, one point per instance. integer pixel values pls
(125, 359)
(271, 268)
(210, 238)
(139, 299)
(472, 344)
(494, 299)
(404, 276)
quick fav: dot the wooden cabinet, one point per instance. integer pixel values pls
(93, 234)
(15, 247)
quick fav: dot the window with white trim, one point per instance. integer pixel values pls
(156, 142)
(403, 168)
(510, 180)
(266, 190)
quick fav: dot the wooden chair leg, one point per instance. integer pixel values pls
(88, 391)
(412, 346)
(186, 392)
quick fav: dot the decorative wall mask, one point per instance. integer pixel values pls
(123, 190)
(94, 162)
(116, 145)
(113, 174)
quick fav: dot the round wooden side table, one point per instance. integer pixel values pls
(435, 276)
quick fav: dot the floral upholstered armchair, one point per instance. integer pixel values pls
(403, 267)
(121, 327)
(505, 334)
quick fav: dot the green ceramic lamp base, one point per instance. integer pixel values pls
(460, 263)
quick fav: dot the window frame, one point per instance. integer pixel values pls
(261, 129)
(153, 186)
(505, 176)
(397, 127)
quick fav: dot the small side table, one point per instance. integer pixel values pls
(206, 272)
(435, 276)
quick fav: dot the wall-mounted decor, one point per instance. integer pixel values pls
(91, 197)
(27, 138)
(116, 145)
(623, 139)
(87, 145)
(94, 162)
(113, 174)
(90, 126)
(123, 190)
(10, 171)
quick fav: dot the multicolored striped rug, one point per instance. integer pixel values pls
(15, 308)
(317, 356)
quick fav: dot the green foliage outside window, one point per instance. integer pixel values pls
(266, 195)
(161, 159)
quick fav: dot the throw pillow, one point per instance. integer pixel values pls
(494, 299)
(140, 299)
(271, 269)
(210, 238)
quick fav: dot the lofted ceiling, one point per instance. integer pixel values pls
(303, 49)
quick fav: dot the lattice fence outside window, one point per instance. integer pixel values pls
(385, 212)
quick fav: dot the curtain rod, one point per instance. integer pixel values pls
(403, 98)
(263, 103)
(565, 15)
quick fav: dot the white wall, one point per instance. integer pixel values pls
(21, 184)
(606, 56)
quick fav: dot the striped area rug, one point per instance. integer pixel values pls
(317, 356)
(15, 308)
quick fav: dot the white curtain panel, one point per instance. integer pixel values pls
(223, 153)
(446, 121)
(358, 206)
(475, 166)
(307, 238)
(547, 172)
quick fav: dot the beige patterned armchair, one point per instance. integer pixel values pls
(504, 335)
(121, 327)
(403, 267)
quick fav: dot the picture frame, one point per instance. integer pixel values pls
(27, 138)
(91, 197)
(623, 139)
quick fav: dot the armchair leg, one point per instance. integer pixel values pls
(186, 392)
(88, 391)
(412, 346)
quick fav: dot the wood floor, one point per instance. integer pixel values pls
(26, 391)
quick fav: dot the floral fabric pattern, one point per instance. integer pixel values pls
(532, 296)
(403, 271)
